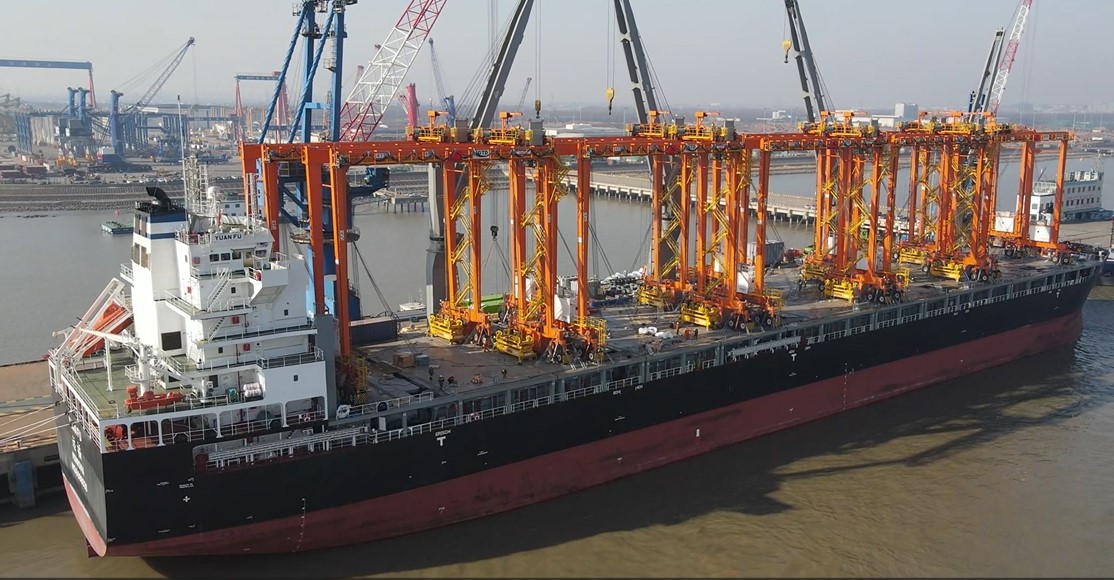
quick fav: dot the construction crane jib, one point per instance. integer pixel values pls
(365, 105)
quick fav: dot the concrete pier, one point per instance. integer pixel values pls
(28, 442)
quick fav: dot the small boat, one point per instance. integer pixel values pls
(411, 306)
(150, 400)
(115, 228)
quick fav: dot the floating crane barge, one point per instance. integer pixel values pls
(310, 442)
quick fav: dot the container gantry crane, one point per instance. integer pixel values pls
(239, 122)
(535, 325)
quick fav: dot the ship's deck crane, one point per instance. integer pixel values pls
(448, 101)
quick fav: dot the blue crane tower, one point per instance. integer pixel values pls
(447, 100)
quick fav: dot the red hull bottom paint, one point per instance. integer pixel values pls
(549, 476)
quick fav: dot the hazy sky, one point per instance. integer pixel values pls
(871, 53)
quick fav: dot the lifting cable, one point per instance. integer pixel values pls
(382, 298)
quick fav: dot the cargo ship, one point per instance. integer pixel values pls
(203, 407)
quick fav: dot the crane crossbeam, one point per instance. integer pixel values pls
(61, 64)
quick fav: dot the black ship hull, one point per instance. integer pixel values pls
(156, 501)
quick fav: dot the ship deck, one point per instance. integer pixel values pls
(474, 369)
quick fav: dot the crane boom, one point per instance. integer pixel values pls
(1008, 56)
(163, 77)
(374, 91)
(806, 64)
(980, 97)
(522, 97)
(637, 65)
(501, 67)
(447, 100)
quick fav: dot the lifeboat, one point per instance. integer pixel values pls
(149, 400)
(113, 320)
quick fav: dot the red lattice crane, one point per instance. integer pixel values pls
(364, 107)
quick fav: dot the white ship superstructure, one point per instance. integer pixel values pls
(207, 332)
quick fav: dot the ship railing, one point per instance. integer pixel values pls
(286, 447)
(292, 359)
(581, 392)
(126, 271)
(178, 301)
(76, 385)
(859, 330)
(687, 368)
(620, 383)
(531, 404)
(707, 364)
(258, 333)
(384, 406)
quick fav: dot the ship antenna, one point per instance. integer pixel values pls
(182, 151)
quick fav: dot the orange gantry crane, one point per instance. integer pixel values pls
(716, 284)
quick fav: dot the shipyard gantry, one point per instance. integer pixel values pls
(699, 264)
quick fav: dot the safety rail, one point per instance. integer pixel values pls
(185, 236)
(386, 405)
(126, 271)
(671, 372)
(531, 404)
(185, 306)
(292, 359)
(258, 333)
(221, 459)
(620, 383)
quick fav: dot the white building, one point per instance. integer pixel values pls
(1082, 198)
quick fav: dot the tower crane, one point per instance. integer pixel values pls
(447, 100)
(811, 87)
(364, 107)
